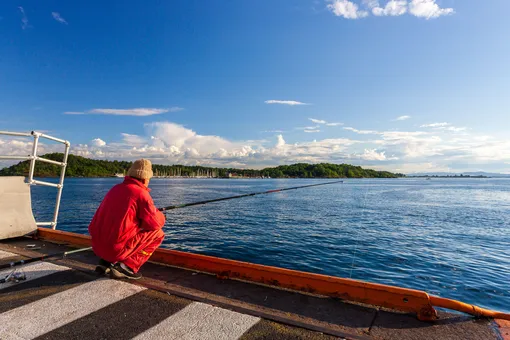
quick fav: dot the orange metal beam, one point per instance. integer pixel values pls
(407, 300)
(467, 308)
(63, 237)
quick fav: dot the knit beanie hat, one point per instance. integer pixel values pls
(141, 169)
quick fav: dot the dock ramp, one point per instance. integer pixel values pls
(16, 217)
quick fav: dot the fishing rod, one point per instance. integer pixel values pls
(171, 207)
(39, 258)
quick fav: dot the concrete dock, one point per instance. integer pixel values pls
(65, 299)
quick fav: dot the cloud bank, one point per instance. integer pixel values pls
(427, 9)
(437, 146)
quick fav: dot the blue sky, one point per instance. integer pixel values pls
(214, 82)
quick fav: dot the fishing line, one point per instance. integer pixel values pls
(359, 229)
(172, 207)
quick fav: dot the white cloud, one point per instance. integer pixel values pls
(170, 143)
(455, 129)
(323, 122)
(22, 146)
(24, 18)
(392, 8)
(403, 118)
(141, 112)
(98, 142)
(373, 155)
(403, 136)
(185, 142)
(309, 129)
(273, 131)
(57, 17)
(316, 128)
(346, 9)
(361, 132)
(428, 9)
(285, 102)
(434, 125)
(371, 3)
(317, 121)
(281, 142)
(15, 146)
(133, 140)
(444, 126)
(135, 111)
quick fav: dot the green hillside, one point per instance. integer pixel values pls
(85, 167)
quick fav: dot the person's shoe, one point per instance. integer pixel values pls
(103, 267)
(121, 271)
(104, 263)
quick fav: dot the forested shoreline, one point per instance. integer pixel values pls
(78, 166)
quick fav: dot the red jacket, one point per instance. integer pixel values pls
(126, 210)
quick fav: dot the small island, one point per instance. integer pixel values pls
(78, 166)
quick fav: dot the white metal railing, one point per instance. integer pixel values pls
(33, 158)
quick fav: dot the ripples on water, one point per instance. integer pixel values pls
(449, 237)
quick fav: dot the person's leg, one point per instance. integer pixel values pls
(145, 244)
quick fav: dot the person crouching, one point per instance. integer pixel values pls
(126, 228)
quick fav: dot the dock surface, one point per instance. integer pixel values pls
(65, 299)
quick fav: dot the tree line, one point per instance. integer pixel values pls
(78, 166)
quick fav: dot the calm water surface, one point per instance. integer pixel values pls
(449, 237)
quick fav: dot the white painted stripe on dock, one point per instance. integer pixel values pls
(32, 271)
(222, 324)
(201, 321)
(42, 316)
(6, 254)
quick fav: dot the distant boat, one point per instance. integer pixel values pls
(119, 175)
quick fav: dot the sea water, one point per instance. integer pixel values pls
(448, 237)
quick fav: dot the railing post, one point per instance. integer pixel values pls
(33, 157)
(60, 185)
